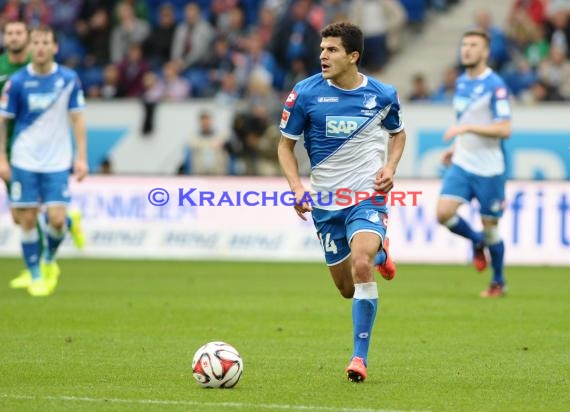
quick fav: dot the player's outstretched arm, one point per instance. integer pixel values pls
(80, 131)
(385, 177)
(4, 165)
(501, 128)
(288, 162)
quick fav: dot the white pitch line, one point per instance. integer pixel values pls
(236, 405)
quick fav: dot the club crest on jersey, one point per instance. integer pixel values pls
(372, 216)
(290, 102)
(59, 83)
(369, 100)
(501, 93)
(341, 127)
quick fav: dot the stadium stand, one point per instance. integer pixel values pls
(247, 54)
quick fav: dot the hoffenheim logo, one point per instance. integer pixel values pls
(372, 216)
(369, 100)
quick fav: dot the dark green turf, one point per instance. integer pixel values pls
(127, 330)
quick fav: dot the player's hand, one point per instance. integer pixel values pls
(384, 181)
(446, 158)
(80, 169)
(302, 207)
(453, 131)
(5, 172)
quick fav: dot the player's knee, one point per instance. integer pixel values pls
(491, 235)
(26, 220)
(57, 222)
(444, 216)
(362, 268)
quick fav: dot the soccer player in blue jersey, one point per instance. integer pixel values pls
(346, 118)
(16, 39)
(476, 159)
(40, 97)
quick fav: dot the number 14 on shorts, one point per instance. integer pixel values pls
(327, 243)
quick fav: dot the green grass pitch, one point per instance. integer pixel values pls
(120, 335)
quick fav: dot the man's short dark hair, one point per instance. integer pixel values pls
(478, 32)
(44, 28)
(350, 35)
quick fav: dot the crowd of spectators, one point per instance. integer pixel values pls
(249, 53)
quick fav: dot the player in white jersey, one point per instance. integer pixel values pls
(40, 97)
(476, 160)
(346, 118)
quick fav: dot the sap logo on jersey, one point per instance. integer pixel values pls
(40, 101)
(343, 126)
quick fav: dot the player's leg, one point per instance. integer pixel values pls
(366, 229)
(364, 247)
(24, 198)
(383, 261)
(73, 222)
(54, 189)
(23, 280)
(31, 250)
(73, 219)
(331, 232)
(456, 190)
(490, 192)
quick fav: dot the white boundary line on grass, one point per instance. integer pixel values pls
(237, 405)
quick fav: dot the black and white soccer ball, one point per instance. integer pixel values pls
(217, 365)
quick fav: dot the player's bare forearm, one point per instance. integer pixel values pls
(500, 129)
(5, 173)
(396, 145)
(3, 138)
(80, 132)
(288, 162)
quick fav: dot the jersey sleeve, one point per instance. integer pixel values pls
(500, 105)
(77, 99)
(9, 99)
(293, 116)
(393, 122)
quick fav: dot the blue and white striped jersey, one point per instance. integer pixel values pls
(40, 105)
(481, 100)
(344, 131)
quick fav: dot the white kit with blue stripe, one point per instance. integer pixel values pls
(344, 131)
(480, 100)
(41, 105)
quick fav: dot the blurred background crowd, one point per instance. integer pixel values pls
(250, 53)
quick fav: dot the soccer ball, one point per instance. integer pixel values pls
(217, 365)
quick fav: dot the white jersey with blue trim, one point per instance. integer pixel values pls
(40, 105)
(481, 100)
(344, 132)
